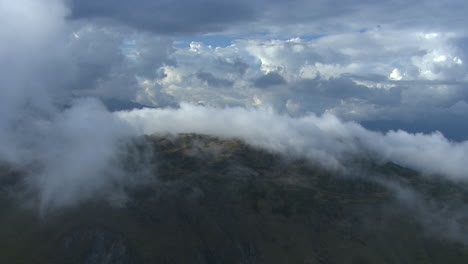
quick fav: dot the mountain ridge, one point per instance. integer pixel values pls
(222, 201)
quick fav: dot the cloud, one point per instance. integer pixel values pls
(443, 218)
(68, 147)
(349, 75)
(269, 79)
(102, 69)
(32, 55)
(298, 17)
(323, 139)
(167, 17)
(78, 152)
(211, 80)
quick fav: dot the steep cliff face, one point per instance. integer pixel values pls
(221, 201)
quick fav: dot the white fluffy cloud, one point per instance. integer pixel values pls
(323, 139)
(377, 74)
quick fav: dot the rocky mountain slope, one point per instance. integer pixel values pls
(210, 200)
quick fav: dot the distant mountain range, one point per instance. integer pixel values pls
(211, 200)
(113, 104)
(453, 127)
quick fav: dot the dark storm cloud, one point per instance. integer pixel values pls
(237, 66)
(269, 79)
(167, 17)
(202, 16)
(212, 81)
(100, 67)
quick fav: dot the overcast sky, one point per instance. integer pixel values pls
(387, 64)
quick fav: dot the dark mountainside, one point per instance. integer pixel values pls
(222, 201)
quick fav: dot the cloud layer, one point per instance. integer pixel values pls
(325, 139)
(273, 17)
(385, 69)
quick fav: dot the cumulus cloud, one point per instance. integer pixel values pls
(350, 75)
(102, 68)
